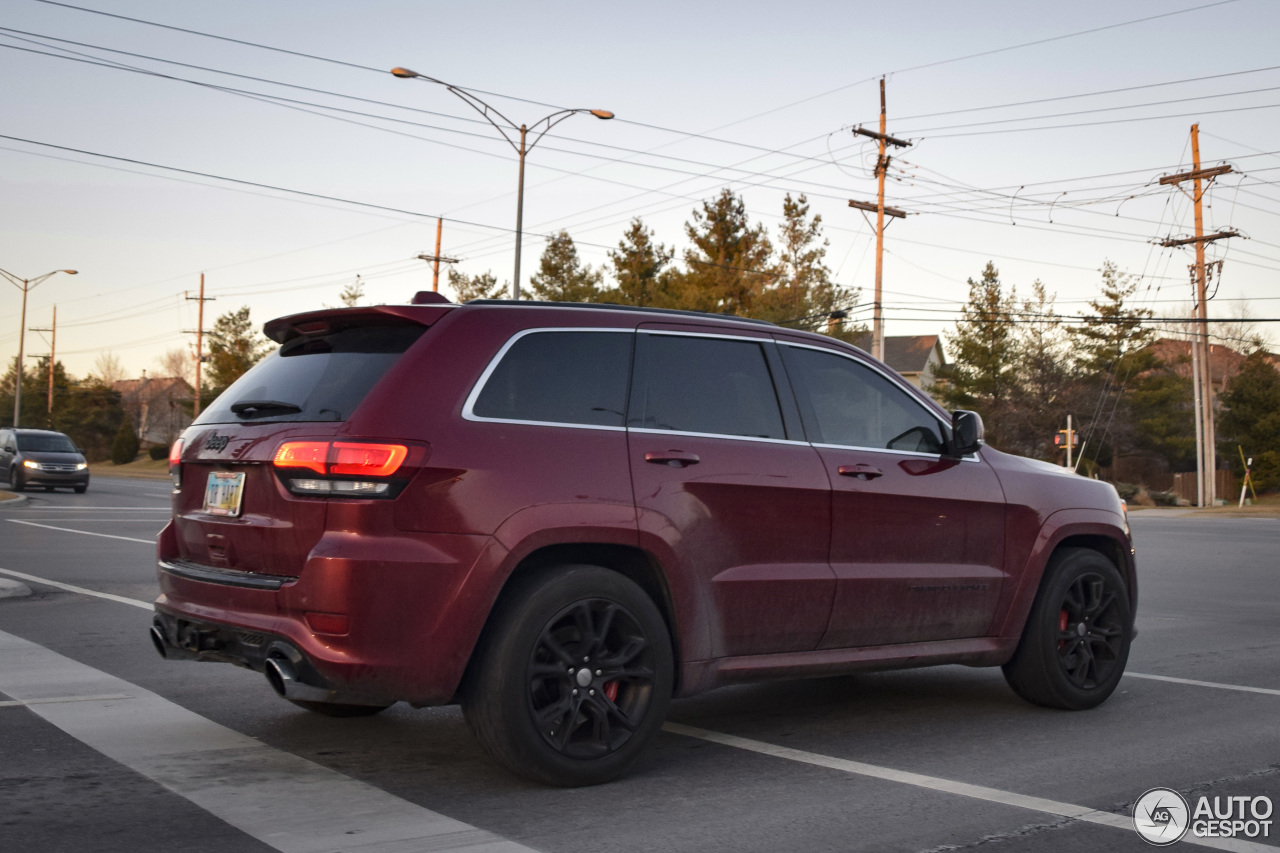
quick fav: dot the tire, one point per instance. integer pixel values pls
(48, 488)
(80, 490)
(335, 709)
(532, 704)
(15, 480)
(1076, 641)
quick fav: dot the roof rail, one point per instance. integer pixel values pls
(610, 306)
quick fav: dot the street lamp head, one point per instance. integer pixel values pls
(404, 72)
(70, 272)
(605, 114)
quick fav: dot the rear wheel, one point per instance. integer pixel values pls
(335, 709)
(1076, 641)
(573, 679)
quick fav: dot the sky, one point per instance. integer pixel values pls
(281, 159)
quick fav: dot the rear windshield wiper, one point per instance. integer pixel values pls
(255, 408)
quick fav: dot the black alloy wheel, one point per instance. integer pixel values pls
(1090, 631)
(571, 680)
(590, 679)
(1075, 644)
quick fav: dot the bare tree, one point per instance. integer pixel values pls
(108, 368)
(177, 362)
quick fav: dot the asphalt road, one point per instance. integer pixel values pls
(106, 747)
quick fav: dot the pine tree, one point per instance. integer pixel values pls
(641, 270)
(983, 372)
(1044, 381)
(234, 347)
(481, 286)
(125, 447)
(728, 265)
(1113, 348)
(561, 276)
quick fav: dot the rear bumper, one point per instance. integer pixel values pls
(411, 614)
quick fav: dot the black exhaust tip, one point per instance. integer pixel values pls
(157, 640)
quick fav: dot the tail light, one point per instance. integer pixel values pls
(341, 468)
(175, 464)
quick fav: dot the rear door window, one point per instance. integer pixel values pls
(709, 385)
(570, 377)
(314, 377)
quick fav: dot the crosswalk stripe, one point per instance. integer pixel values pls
(287, 802)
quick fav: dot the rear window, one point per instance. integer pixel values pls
(563, 377)
(56, 443)
(313, 378)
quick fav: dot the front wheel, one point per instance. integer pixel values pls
(1076, 641)
(573, 678)
(15, 480)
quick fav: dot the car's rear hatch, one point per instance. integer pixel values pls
(232, 511)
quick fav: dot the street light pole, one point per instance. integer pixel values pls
(521, 149)
(25, 285)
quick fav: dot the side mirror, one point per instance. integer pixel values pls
(967, 434)
(80, 450)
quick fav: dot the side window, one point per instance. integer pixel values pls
(560, 377)
(847, 403)
(708, 385)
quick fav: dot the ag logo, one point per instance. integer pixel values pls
(1161, 816)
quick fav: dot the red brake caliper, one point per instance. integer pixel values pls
(1062, 625)
(611, 690)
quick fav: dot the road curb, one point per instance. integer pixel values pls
(15, 499)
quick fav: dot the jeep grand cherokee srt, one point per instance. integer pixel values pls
(561, 516)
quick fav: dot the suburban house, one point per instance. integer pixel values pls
(916, 357)
(159, 406)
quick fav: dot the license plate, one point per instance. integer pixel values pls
(223, 493)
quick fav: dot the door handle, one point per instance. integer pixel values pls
(862, 471)
(674, 458)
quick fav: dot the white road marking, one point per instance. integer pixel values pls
(151, 541)
(18, 703)
(1242, 688)
(145, 605)
(230, 775)
(949, 786)
(109, 508)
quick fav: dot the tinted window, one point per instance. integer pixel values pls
(709, 385)
(562, 378)
(52, 443)
(850, 404)
(316, 377)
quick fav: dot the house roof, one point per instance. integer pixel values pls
(904, 353)
(155, 386)
(1224, 362)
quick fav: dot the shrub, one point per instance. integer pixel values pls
(125, 447)
(1126, 490)
(158, 451)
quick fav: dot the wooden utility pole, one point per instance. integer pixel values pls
(53, 351)
(882, 167)
(199, 333)
(436, 258)
(1202, 375)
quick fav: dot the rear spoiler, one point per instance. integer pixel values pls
(326, 321)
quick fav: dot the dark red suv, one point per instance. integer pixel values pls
(561, 516)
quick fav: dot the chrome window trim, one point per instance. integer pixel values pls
(652, 431)
(894, 380)
(468, 407)
(762, 339)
